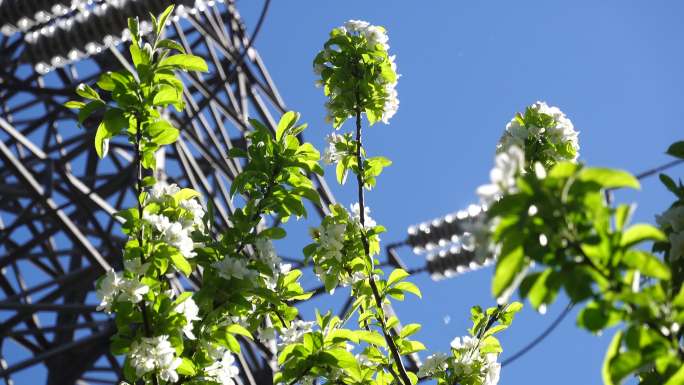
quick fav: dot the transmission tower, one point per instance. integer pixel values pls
(57, 232)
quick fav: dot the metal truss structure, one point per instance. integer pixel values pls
(57, 198)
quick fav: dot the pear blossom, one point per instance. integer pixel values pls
(433, 364)
(230, 267)
(223, 371)
(332, 154)
(369, 223)
(115, 287)
(491, 370)
(190, 311)
(155, 354)
(673, 219)
(160, 190)
(560, 133)
(295, 332)
(195, 209)
(331, 240)
(507, 166)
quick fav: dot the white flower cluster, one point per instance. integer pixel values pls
(374, 36)
(332, 154)
(507, 166)
(672, 222)
(392, 100)
(231, 267)
(295, 332)
(560, 133)
(155, 354)
(115, 287)
(175, 233)
(190, 311)
(433, 364)
(368, 222)
(469, 357)
(331, 240)
(267, 253)
(223, 370)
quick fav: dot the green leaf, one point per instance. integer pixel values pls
(166, 95)
(510, 263)
(286, 122)
(89, 109)
(181, 263)
(239, 329)
(595, 317)
(396, 275)
(371, 337)
(163, 132)
(676, 149)
(641, 232)
(185, 194)
(678, 300)
(613, 350)
(609, 178)
(87, 92)
(186, 368)
(74, 104)
(185, 62)
(115, 121)
(409, 329)
(409, 287)
(101, 141)
(133, 27)
(677, 378)
(647, 263)
(170, 44)
(544, 289)
(161, 20)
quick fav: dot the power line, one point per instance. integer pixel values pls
(540, 337)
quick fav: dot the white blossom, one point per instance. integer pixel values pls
(195, 208)
(465, 343)
(332, 154)
(109, 287)
(491, 370)
(223, 371)
(178, 236)
(507, 166)
(368, 222)
(160, 190)
(355, 26)
(331, 240)
(190, 311)
(295, 332)
(132, 291)
(560, 133)
(230, 267)
(391, 102)
(673, 219)
(376, 35)
(115, 287)
(155, 354)
(433, 364)
(135, 266)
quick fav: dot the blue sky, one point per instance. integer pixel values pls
(614, 67)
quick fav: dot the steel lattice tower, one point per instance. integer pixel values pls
(57, 232)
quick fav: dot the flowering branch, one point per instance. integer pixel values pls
(371, 280)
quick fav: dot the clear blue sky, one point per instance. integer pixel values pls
(614, 67)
